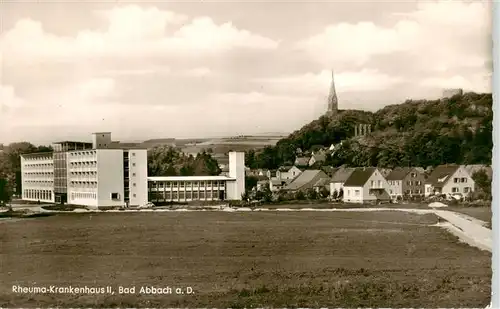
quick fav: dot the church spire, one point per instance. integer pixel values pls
(332, 98)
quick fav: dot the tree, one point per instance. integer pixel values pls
(341, 194)
(5, 192)
(417, 133)
(250, 182)
(299, 195)
(483, 182)
(335, 194)
(312, 194)
(323, 192)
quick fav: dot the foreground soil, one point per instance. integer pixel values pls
(279, 259)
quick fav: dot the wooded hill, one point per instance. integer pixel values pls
(414, 133)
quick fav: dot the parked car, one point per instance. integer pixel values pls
(147, 205)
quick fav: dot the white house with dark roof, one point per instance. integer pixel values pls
(288, 172)
(366, 184)
(450, 180)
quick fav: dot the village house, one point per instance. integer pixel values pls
(276, 184)
(288, 172)
(306, 180)
(339, 178)
(366, 184)
(406, 181)
(302, 161)
(450, 180)
(318, 157)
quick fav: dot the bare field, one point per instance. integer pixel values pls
(278, 259)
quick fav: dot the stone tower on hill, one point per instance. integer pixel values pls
(333, 104)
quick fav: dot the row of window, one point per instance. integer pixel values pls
(38, 166)
(414, 183)
(82, 153)
(83, 184)
(38, 182)
(83, 195)
(379, 184)
(457, 190)
(39, 175)
(83, 174)
(194, 195)
(187, 184)
(38, 194)
(42, 158)
(83, 164)
(457, 180)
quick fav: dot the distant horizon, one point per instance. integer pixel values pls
(88, 138)
(182, 68)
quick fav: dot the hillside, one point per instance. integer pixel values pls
(418, 133)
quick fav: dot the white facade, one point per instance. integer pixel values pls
(37, 177)
(98, 177)
(201, 188)
(459, 183)
(429, 190)
(82, 177)
(336, 186)
(236, 188)
(288, 175)
(138, 175)
(360, 194)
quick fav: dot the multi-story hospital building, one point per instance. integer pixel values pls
(106, 173)
(98, 174)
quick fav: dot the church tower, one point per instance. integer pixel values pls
(333, 104)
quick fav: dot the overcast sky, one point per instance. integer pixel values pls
(202, 68)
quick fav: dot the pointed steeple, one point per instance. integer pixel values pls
(333, 103)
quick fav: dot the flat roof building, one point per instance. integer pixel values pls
(201, 188)
(98, 174)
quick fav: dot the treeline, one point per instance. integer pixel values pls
(418, 133)
(169, 161)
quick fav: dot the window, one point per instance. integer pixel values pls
(114, 196)
(455, 180)
(372, 183)
(356, 193)
(380, 183)
(466, 190)
(133, 154)
(454, 189)
(133, 184)
(464, 179)
(133, 174)
(413, 175)
(134, 195)
(133, 164)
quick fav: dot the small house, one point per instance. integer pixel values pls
(366, 184)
